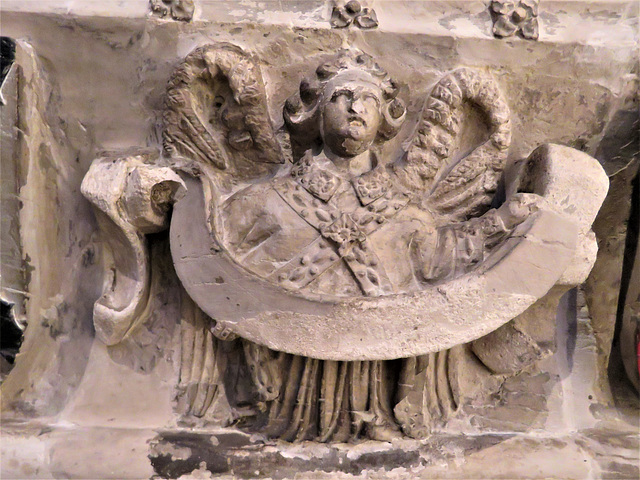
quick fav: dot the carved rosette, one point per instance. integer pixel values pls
(181, 10)
(515, 17)
(353, 13)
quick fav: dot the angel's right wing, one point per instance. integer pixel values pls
(216, 110)
(460, 184)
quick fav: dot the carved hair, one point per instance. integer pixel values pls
(302, 111)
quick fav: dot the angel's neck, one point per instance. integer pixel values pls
(352, 166)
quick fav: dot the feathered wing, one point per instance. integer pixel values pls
(216, 110)
(459, 189)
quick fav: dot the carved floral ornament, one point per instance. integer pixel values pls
(353, 13)
(176, 9)
(515, 17)
(342, 254)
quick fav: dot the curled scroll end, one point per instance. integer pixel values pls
(573, 184)
(149, 194)
(131, 198)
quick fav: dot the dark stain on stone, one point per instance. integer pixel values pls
(59, 321)
(24, 408)
(388, 460)
(621, 140)
(7, 56)
(173, 454)
(88, 257)
(202, 450)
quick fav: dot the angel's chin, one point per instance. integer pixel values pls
(352, 147)
(357, 132)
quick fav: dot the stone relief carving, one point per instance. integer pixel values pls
(346, 14)
(176, 9)
(371, 289)
(515, 17)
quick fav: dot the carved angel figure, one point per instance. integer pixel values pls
(340, 220)
(334, 264)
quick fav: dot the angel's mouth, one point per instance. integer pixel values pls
(357, 122)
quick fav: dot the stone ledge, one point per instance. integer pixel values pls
(65, 451)
(603, 22)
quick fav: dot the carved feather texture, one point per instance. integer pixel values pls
(189, 132)
(465, 189)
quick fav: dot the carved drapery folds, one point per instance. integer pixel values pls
(334, 265)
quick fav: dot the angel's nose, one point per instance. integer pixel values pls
(357, 106)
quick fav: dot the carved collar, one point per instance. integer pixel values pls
(372, 185)
(319, 176)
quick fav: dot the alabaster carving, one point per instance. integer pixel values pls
(342, 239)
(368, 285)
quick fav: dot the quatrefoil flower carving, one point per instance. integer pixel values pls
(353, 13)
(345, 232)
(178, 9)
(515, 17)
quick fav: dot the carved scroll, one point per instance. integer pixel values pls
(131, 198)
(573, 184)
(334, 328)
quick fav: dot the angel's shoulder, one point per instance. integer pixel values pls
(254, 192)
(256, 199)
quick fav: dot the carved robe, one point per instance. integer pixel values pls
(316, 231)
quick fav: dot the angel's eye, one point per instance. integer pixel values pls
(371, 98)
(341, 93)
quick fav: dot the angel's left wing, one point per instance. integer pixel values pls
(216, 110)
(453, 162)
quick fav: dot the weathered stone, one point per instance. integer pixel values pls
(376, 235)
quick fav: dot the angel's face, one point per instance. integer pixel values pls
(351, 117)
